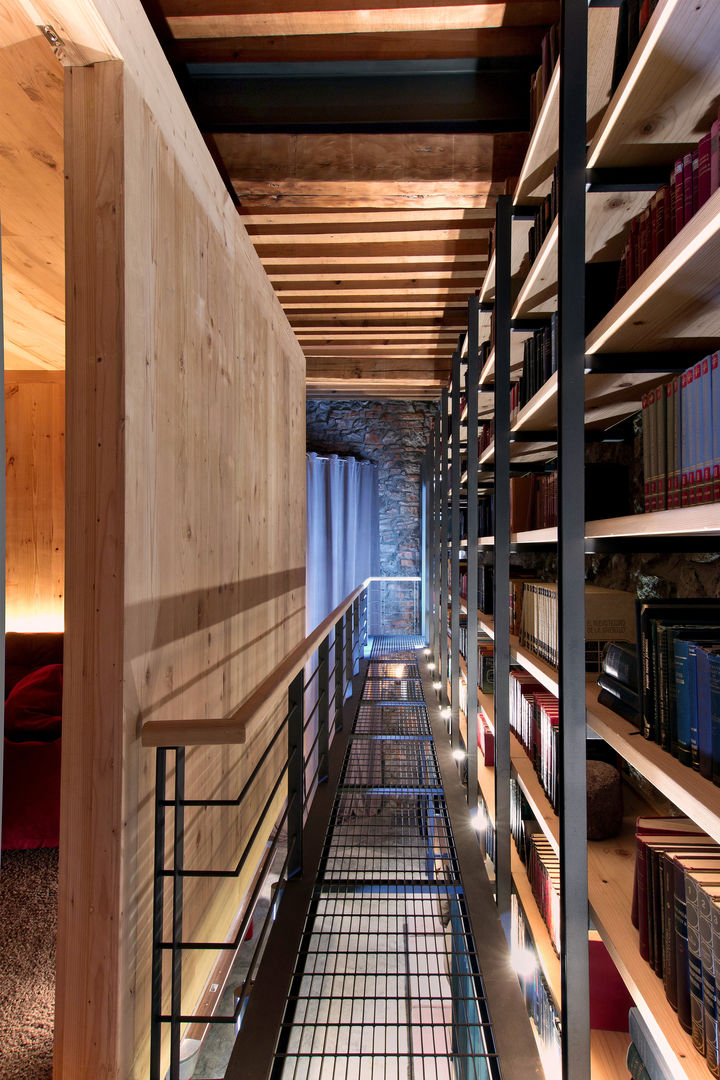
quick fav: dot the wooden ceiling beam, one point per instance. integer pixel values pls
(470, 163)
(444, 276)
(261, 18)
(353, 261)
(365, 193)
(332, 236)
(331, 218)
(366, 254)
(498, 41)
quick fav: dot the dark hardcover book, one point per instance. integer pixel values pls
(620, 660)
(635, 1064)
(629, 698)
(680, 609)
(633, 27)
(704, 149)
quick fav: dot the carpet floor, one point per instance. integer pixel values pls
(28, 929)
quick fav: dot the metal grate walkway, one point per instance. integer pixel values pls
(386, 983)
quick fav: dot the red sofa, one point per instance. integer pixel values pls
(32, 743)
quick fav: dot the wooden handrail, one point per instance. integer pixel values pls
(220, 731)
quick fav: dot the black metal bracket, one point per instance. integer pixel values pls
(648, 178)
(533, 436)
(525, 212)
(525, 326)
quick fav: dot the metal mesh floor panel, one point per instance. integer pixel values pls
(386, 984)
(393, 690)
(408, 721)
(385, 670)
(391, 763)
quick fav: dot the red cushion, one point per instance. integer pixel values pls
(31, 795)
(33, 709)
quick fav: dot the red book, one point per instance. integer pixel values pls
(715, 156)
(679, 196)
(657, 217)
(610, 1000)
(703, 172)
(695, 480)
(633, 262)
(685, 383)
(644, 241)
(714, 378)
(687, 173)
(670, 219)
(695, 180)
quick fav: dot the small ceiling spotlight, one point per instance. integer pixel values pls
(525, 962)
(446, 713)
(478, 822)
(437, 685)
(459, 754)
(431, 666)
(426, 652)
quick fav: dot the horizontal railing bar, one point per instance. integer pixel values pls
(248, 847)
(218, 946)
(307, 685)
(231, 729)
(314, 709)
(313, 744)
(248, 783)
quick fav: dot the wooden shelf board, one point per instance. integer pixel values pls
(538, 295)
(608, 1052)
(683, 521)
(548, 958)
(486, 785)
(519, 264)
(687, 789)
(543, 149)
(544, 673)
(673, 304)
(610, 881)
(532, 789)
(670, 87)
(463, 664)
(487, 705)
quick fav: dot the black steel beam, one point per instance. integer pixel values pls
(648, 178)
(575, 1013)
(430, 96)
(473, 374)
(455, 551)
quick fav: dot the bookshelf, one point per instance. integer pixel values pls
(665, 100)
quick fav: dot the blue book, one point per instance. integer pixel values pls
(714, 662)
(682, 699)
(704, 708)
(656, 1067)
(715, 382)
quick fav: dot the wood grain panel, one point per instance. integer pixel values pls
(469, 158)
(35, 500)
(186, 520)
(424, 45)
(31, 195)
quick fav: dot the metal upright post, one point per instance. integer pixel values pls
(444, 548)
(296, 773)
(357, 636)
(436, 541)
(471, 394)
(338, 676)
(571, 543)
(158, 908)
(455, 555)
(177, 913)
(501, 575)
(349, 657)
(323, 708)
(425, 548)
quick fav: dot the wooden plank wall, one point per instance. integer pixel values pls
(186, 542)
(35, 500)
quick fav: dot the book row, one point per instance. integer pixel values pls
(540, 356)
(534, 720)
(538, 1000)
(609, 616)
(694, 178)
(681, 438)
(676, 909)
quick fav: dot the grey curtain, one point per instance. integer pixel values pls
(342, 531)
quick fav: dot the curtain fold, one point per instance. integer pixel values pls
(342, 531)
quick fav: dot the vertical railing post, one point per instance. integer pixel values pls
(349, 647)
(455, 551)
(296, 770)
(338, 675)
(177, 913)
(158, 905)
(444, 549)
(471, 393)
(365, 617)
(323, 708)
(356, 630)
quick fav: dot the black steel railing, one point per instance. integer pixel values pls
(342, 635)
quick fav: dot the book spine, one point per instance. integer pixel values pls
(646, 452)
(669, 957)
(696, 434)
(708, 977)
(652, 429)
(713, 1063)
(703, 172)
(635, 1064)
(661, 437)
(692, 703)
(677, 464)
(681, 951)
(621, 664)
(694, 964)
(686, 441)
(704, 716)
(714, 662)
(715, 424)
(670, 443)
(679, 189)
(688, 208)
(682, 703)
(715, 156)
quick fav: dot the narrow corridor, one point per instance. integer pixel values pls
(386, 983)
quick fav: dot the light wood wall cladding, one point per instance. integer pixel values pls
(35, 499)
(31, 194)
(185, 521)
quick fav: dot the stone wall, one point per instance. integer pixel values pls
(392, 435)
